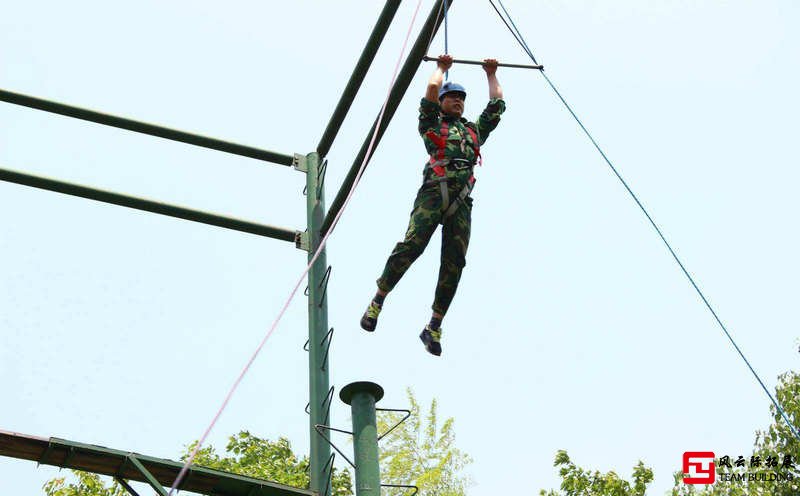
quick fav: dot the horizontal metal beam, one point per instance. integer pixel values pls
(480, 62)
(399, 88)
(146, 205)
(362, 66)
(125, 465)
(144, 127)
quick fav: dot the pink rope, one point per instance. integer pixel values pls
(322, 244)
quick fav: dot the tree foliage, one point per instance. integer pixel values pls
(421, 452)
(246, 455)
(576, 481)
(87, 485)
(776, 441)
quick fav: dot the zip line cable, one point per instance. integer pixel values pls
(319, 249)
(521, 40)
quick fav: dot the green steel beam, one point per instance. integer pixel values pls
(399, 88)
(362, 66)
(117, 463)
(318, 381)
(147, 205)
(362, 396)
(148, 476)
(144, 127)
(126, 486)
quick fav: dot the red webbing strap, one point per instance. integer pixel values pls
(475, 145)
(444, 133)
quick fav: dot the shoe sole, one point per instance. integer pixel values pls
(427, 347)
(367, 326)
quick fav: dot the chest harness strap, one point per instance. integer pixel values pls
(438, 162)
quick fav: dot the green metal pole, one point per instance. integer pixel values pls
(319, 403)
(144, 127)
(362, 396)
(147, 205)
(360, 70)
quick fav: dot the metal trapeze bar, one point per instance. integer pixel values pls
(144, 128)
(401, 84)
(146, 205)
(478, 62)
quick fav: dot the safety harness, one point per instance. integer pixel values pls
(438, 163)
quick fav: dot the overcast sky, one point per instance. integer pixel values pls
(573, 327)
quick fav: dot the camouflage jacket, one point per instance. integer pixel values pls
(459, 141)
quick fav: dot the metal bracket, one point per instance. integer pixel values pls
(327, 400)
(301, 240)
(328, 469)
(415, 488)
(408, 414)
(299, 163)
(321, 170)
(318, 428)
(328, 337)
(324, 281)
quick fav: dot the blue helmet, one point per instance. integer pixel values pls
(450, 87)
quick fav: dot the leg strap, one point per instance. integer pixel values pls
(451, 209)
(445, 196)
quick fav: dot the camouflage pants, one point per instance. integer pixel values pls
(425, 217)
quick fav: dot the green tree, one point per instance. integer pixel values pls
(87, 485)
(576, 481)
(776, 441)
(246, 454)
(421, 452)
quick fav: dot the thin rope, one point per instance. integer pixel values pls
(446, 50)
(321, 246)
(433, 31)
(527, 50)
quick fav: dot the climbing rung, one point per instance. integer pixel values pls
(480, 62)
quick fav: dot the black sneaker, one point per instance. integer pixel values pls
(431, 338)
(370, 318)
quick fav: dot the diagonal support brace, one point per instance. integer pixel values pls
(395, 426)
(122, 482)
(319, 428)
(147, 475)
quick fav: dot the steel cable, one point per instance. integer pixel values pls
(521, 40)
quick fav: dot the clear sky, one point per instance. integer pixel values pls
(573, 328)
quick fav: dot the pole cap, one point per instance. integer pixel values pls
(347, 392)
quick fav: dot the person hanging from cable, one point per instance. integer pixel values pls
(453, 144)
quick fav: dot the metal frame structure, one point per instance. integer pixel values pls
(318, 223)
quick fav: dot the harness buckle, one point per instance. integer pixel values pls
(461, 163)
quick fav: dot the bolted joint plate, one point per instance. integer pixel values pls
(299, 163)
(301, 240)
